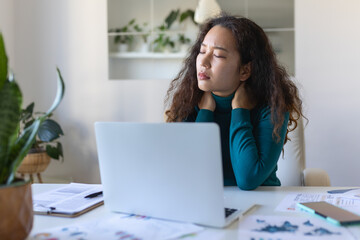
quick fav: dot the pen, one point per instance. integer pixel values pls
(92, 195)
(51, 209)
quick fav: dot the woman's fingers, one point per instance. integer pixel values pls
(207, 102)
(243, 98)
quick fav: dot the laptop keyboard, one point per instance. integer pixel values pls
(229, 211)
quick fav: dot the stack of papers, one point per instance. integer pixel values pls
(68, 201)
(120, 226)
(347, 200)
(290, 228)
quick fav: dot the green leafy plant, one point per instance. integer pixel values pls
(14, 147)
(163, 41)
(171, 18)
(49, 132)
(124, 39)
(144, 35)
(183, 39)
(187, 14)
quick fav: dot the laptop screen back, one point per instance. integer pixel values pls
(164, 170)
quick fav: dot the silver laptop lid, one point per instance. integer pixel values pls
(164, 170)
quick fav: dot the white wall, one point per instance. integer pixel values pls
(327, 65)
(73, 35)
(7, 28)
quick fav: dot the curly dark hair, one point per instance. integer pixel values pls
(269, 82)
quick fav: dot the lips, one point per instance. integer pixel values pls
(203, 76)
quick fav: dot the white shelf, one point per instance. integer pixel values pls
(279, 29)
(276, 17)
(147, 55)
(110, 34)
(180, 31)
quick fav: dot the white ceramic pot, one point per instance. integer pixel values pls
(123, 47)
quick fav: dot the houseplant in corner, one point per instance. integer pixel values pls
(45, 146)
(16, 209)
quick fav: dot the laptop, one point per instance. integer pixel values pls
(164, 170)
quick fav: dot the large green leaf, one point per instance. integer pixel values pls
(3, 62)
(170, 19)
(49, 131)
(28, 112)
(59, 94)
(188, 13)
(10, 107)
(55, 152)
(21, 147)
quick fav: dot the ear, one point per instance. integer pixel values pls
(245, 71)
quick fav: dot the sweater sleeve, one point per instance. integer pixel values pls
(200, 115)
(254, 153)
(205, 115)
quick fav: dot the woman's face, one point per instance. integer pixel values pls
(218, 63)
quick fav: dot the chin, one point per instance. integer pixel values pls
(204, 88)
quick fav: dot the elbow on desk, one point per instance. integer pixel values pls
(247, 184)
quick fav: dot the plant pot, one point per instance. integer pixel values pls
(144, 47)
(16, 210)
(123, 47)
(34, 163)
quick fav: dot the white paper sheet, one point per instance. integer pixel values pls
(353, 194)
(290, 228)
(288, 204)
(119, 226)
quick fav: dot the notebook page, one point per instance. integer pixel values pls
(68, 199)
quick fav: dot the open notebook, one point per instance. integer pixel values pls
(71, 200)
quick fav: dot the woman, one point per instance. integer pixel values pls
(232, 77)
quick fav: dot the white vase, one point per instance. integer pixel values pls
(122, 47)
(144, 47)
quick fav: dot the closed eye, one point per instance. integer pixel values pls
(217, 56)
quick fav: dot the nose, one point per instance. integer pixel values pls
(204, 61)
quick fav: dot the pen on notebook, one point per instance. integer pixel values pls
(51, 209)
(94, 195)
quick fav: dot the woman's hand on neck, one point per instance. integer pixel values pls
(243, 98)
(207, 102)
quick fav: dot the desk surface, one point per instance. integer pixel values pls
(265, 198)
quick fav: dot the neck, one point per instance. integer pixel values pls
(223, 104)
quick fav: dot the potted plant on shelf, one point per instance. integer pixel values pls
(45, 145)
(144, 47)
(184, 43)
(15, 194)
(123, 39)
(163, 42)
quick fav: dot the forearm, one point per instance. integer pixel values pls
(205, 115)
(254, 154)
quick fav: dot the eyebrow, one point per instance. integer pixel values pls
(216, 47)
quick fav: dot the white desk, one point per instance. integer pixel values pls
(267, 198)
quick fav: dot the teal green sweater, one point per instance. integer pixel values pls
(249, 151)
